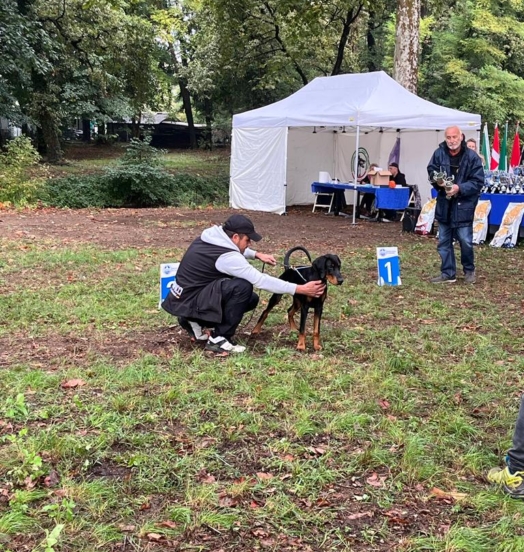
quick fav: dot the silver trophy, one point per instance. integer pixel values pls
(442, 177)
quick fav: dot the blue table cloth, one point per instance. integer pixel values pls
(499, 203)
(386, 198)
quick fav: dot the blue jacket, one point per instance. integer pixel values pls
(460, 209)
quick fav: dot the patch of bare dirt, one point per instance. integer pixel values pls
(176, 228)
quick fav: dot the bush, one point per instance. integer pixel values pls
(75, 192)
(139, 180)
(20, 173)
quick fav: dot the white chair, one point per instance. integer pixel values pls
(321, 191)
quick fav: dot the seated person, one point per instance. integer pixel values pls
(399, 179)
(366, 203)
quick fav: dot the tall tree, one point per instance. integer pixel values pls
(407, 44)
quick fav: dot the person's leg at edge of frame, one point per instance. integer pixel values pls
(467, 256)
(237, 299)
(512, 476)
(448, 268)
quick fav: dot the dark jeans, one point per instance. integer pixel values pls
(339, 201)
(367, 201)
(515, 457)
(464, 235)
(237, 299)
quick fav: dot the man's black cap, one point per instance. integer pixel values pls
(393, 165)
(239, 224)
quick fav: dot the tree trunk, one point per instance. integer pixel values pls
(186, 97)
(54, 154)
(186, 102)
(407, 44)
(208, 114)
(351, 16)
(86, 130)
(371, 43)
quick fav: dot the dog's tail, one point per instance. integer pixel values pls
(292, 250)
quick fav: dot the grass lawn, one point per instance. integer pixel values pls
(117, 434)
(89, 159)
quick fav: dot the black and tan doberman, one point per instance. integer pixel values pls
(325, 268)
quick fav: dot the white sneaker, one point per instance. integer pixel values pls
(221, 345)
(197, 331)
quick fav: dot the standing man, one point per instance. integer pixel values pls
(456, 203)
(214, 284)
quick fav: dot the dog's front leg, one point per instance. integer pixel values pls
(316, 328)
(301, 345)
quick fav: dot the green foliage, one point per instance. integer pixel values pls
(138, 180)
(139, 185)
(474, 58)
(28, 463)
(16, 409)
(19, 176)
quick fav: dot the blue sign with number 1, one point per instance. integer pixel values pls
(388, 266)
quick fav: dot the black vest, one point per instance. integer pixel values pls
(201, 294)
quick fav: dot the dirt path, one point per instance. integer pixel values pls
(173, 227)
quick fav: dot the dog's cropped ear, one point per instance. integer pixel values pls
(320, 266)
(339, 262)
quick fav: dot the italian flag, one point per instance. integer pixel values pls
(495, 150)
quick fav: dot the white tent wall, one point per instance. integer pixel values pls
(263, 138)
(258, 177)
(309, 153)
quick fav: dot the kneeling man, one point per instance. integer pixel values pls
(214, 284)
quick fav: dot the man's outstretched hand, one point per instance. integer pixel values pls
(312, 289)
(268, 259)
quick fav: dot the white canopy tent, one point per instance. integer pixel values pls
(278, 150)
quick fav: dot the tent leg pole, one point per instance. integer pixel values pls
(355, 175)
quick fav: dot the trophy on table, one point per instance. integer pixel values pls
(442, 177)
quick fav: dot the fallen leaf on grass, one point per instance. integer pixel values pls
(127, 528)
(360, 515)
(227, 502)
(384, 404)
(446, 495)
(208, 478)
(154, 536)
(396, 516)
(376, 480)
(317, 450)
(52, 479)
(170, 524)
(264, 476)
(70, 384)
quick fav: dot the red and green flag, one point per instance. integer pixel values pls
(495, 150)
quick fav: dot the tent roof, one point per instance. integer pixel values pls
(364, 99)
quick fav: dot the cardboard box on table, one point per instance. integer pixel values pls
(379, 178)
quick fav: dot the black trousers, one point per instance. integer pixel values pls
(237, 299)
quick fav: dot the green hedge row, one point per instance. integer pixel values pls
(139, 185)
